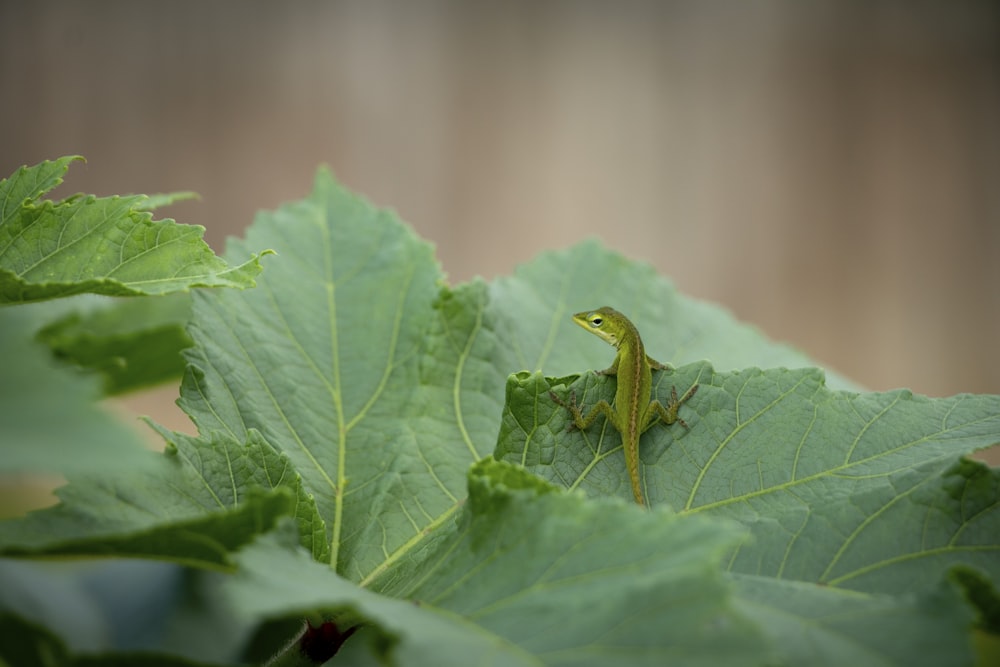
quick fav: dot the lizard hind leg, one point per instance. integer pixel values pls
(669, 414)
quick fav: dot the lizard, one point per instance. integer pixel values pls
(632, 412)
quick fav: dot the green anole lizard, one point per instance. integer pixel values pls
(633, 413)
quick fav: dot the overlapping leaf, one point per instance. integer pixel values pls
(108, 245)
(131, 343)
(536, 577)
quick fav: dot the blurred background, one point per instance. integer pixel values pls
(829, 170)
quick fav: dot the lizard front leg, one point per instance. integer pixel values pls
(580, 421)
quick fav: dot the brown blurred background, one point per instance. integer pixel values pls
(826, 169)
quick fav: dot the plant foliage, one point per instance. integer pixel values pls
(378, 454)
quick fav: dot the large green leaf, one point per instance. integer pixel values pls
(106, 245)
(343, 360)
(532, 309)
(822, 478)
(381, 386)
(535, 577)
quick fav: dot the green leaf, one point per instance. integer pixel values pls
(107, 245)
(352, 390)
(185, 509)
(131, 343)
(531, 576)
(220, 461)
(48, 420)
(54, 614)
(533, 308)
(816, 625)
(25, 643)
(637, 584)
(273, 581)
(822, 478)
(380, 385)
(347, 360)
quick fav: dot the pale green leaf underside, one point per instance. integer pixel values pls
(341, 361)
(107, 245)
(862, 491)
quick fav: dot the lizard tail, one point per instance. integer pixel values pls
(632, 463)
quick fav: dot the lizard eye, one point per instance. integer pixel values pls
(596, 322)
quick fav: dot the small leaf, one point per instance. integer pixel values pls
(221, 461)
(108, 245)
(131, 343)
(184, 509)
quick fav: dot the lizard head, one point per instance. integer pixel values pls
(605, 322)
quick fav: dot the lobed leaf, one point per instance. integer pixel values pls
(349, 361)
(107, 245)
(821, 478)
